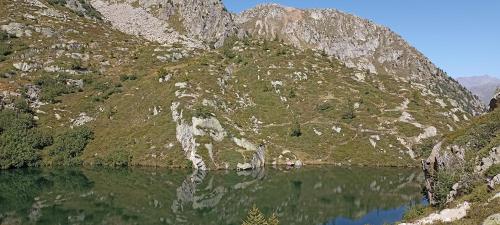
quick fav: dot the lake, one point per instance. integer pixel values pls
(310, 195)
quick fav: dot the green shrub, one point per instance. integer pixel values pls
(20, 142)
(22, 105)
(479, 136)
(228, 53)
(11, 120)
(120, 158)
(106, 90)
(414, 212)
(292, 94)
(4, 35)
(201, 111)
(69, 146)
(295, 131)
(425, 148)
(349, 112)
(479, 194)
(53, 87)
(444, 182)
(57, 2)
(5, 50)
(128, 77)
(325, 106)
(493, 171)
(89, 10)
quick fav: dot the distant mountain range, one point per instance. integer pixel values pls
(482, 86)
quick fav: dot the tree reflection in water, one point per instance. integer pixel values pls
(315, 195)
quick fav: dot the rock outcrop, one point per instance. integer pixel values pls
(197, 23)
(466, 157)
(495, 101)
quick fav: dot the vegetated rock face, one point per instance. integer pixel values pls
(456, 163)
(357, 42)
(196, 22)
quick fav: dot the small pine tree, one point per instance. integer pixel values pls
(273, 220)
(255, 217)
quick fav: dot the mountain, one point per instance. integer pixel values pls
(482, 86)
(156, 82)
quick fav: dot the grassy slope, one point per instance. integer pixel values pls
(127, 132)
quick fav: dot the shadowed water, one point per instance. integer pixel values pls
(320, 195)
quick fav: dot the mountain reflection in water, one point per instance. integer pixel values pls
(314, 195)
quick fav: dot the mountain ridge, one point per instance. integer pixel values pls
(183, 102)
(360, 43)
(483, 86)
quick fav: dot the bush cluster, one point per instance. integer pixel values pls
(20, 142)
(5, 48)
(128, 77)
(53, 86)
(444, 182)
(57, 2)
(201, 111)
(69, 146)
(295, 130)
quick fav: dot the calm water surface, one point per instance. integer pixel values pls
(319, 195)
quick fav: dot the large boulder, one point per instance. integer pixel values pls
(495, 101)
(492, 220)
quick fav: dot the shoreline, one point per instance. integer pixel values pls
(306, 164)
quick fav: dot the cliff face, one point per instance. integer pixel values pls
(199, 23)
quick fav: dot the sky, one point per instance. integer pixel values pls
(462, 37)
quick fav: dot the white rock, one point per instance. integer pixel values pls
(81, 120)
(336, 129)
(217, 132)
(492, 220)
(243, 166)
(446, 215)
(441, 102)
(245, 144)
(181, 85)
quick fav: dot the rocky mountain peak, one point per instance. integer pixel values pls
(194, 22)
(207, 20)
